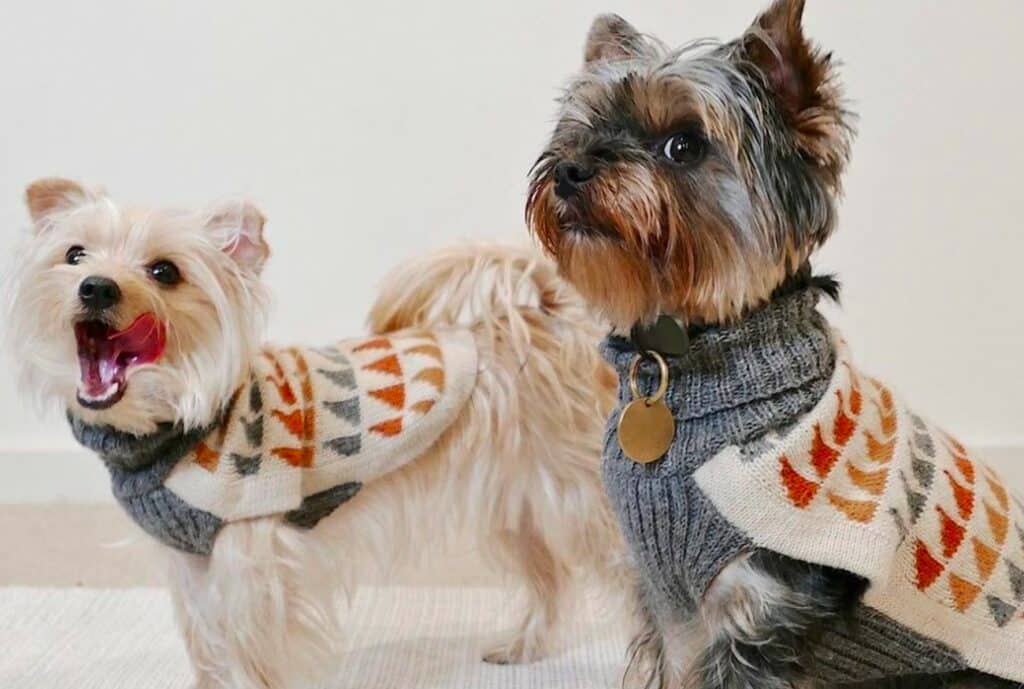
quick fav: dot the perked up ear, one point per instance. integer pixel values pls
(802, 80)
(775, 43)
(612, 38)
(50, 195)
(237, 228)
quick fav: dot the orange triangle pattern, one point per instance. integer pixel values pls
(375, 343)
(295, 456)
(434, 376)
(801, 491)
(964, 592)
(879, 451)
(388, 364)
(422, 407)
(388, 428)
(928, 568)
(986, 559)
(999, 491)
(284, 389)
(431, 350)
(823, 457)
(888, 423)
(857, 510)
(206, 457)
(952, 534)
(964, 497)
(856, 399)
(998, 522)
(292, 421)
(393, 395)
(966, 468)
(844, 425)
(871, 481)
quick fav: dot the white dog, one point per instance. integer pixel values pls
(273, 491)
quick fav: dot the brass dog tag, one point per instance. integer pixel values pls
(646, 426)
(646, 430)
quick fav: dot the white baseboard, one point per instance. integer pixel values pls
(40, 477)
(34, 477)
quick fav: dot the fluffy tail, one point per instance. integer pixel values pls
(489, 285)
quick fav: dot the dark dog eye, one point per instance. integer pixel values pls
(685, 148)
(74, 255)
(165, 273)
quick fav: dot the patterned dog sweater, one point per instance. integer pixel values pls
(299, 438)
(782, 443)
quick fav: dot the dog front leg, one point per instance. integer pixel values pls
(260, 612)
(762, 616)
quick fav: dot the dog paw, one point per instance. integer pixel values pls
(514, 651)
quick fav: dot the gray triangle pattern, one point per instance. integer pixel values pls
(345, 409)
(333, 354)
(1002, 612)
(925, 443)
(1016, 581)
(344, 378)
(918, 422)
(915, 500)
(253, 430)
(901, 525)
(255, 398)
(246, 466)
(346, 445)
(924, 471)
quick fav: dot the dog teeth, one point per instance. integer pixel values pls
(108, 394)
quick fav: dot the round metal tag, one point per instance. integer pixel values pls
(646, 429)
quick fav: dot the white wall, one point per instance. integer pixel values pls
(370, 131)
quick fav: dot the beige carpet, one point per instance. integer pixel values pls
(402, 638)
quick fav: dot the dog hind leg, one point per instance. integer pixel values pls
(545, 580)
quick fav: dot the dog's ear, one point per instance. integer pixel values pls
(237, 228)
(611, 38)
(51, 195)
(802, 80)
(776, 44)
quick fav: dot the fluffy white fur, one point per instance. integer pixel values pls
(517, 473)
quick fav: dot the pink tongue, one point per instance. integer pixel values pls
(143, 337)
(105, 361)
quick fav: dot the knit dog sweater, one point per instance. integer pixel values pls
(783, 444)
(299, 438)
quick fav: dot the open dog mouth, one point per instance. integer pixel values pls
(105, 356)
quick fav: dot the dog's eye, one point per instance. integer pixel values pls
(165, 272)
(74, 255)
(685, 149)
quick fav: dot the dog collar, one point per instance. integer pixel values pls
(667, 335)
(131, 452)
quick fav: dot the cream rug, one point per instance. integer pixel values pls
(401, 638)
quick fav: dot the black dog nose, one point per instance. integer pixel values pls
(98, 293)
(570, 178)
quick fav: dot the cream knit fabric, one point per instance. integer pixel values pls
(863, 484)
(310, 420)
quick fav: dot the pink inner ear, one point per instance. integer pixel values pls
(243, 250)
(786, 82)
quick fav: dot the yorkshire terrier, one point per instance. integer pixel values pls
(276, 478)
(793, 522)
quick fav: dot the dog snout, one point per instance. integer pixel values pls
(98, 293)
(570, 176)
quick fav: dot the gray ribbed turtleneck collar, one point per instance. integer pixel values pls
(129, 452)
(742, 380)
